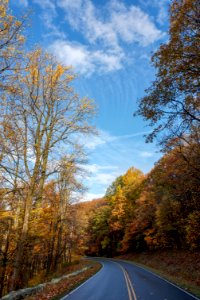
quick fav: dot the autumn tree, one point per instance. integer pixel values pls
(11, 44)
(123, 204)
(172, 106)
(156, 211)
(84, 214)
(53, 222)
(99, 239)
(110, 223)
(112, 189)
(41, 120)
(172, 101)
(66, 221)
(40, 124)
(168, 201)
(11, 53)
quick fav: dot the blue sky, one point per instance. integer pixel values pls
(109, 44)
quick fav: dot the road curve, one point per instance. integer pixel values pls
(119, 280)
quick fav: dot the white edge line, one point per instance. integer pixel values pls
(178, 287)
(78, 287)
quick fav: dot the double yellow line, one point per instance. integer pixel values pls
(131, 292)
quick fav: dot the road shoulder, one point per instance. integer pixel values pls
(180, 269)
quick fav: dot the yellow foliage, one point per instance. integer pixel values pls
(70, 77)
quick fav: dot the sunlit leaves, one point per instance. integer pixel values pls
(42, 113)
(172, 101)
(157, 211)
(11, 42)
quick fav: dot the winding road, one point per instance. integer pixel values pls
(119, 280)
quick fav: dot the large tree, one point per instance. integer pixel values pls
(41, 123)
(172, 101)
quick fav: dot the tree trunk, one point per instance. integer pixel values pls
(16, 281)
(4, 260)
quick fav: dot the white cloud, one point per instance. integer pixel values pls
(133, 25)
(105, 30)
(126, 23)
(162, 14)
(91, 196)
(85, 61)
(161, 6)
(132, 135)
(115, 155)
(94, 168)
(105, 137)
(53, 29)
(49, 13)
(72, 54)
(146, 154)
(101, 175)
(85, 17)
(103, 178)
(46, 4)
(23, 3)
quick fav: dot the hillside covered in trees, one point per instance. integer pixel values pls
(41, 121)
(157, 211)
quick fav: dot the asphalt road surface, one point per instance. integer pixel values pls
(118, 280)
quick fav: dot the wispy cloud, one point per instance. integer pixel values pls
(46, 4)
(93, 142)
(146, 154)
(84, 17)
(101, 174)
(126, 23)
(113, 155)
(91, 196)
(49, 14)
(83, 59)
(162, 9)
(23, 3)
(104, 178)
(105, 31)
(162, 14)
(99, 178)
(133, 25)
(105, 137)
(94, 168)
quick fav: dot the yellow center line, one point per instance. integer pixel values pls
(129, 285)
(128, 288)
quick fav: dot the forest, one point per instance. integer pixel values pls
(41, 121)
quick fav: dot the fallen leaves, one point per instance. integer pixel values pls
(55, 291)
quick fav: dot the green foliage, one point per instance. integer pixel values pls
(113, 187)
